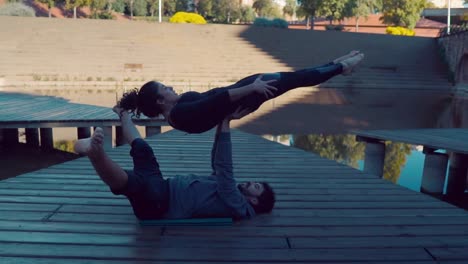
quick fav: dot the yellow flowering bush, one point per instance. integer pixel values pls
(400, 31)
(184, 17)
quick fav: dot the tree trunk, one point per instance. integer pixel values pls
(109, 6)
(50, 12)
(357, 24)
(312, 22)
(74, 12)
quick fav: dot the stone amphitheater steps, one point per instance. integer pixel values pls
(76, 54)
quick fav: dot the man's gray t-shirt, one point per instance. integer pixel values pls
(210, 196)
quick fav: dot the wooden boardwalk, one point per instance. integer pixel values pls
(38, 115)
(326, 212)
(23, 110)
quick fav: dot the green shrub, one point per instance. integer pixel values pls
(118, 6)
(17, 9)
(400, 31)
(247, 14)
(334, 27)
(265, 22)
(184, 17)
(140, 8)
(106, 15)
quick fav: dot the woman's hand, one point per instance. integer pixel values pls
(262, 87)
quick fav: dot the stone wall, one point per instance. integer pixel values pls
(454, 48)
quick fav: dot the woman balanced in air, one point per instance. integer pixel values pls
(195, 112)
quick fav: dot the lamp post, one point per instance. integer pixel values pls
(160, 11)
(448, 18)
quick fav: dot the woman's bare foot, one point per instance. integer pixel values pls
(93, 146)
(349, 55)
(350, 63)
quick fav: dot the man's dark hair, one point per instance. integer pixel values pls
(266, 201)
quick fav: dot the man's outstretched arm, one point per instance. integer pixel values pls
(129, 129)
(227, 186)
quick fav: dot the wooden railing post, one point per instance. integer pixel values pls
(10, 136)
(374, 156)
(32, 137)
(84, 132)
(435, 168)
(152, 130)
(107, 137)
(47, 138)
(119, 137)
(456, 182)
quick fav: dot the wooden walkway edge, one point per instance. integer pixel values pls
(325, 212)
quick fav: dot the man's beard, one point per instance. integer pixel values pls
(242, 190)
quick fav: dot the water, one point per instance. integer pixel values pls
(407, 172)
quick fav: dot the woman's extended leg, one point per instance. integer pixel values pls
(286, 81)
(109, 171)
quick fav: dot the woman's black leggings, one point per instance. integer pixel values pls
(208, 109)
(286, 81)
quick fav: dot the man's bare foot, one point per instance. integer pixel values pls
(92, 146)
(350, 63)
(349, 55)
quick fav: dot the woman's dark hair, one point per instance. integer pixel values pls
(266, 201)
(142, 101)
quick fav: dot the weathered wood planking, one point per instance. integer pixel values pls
(326, 212)
(453, 139)
(21, 110)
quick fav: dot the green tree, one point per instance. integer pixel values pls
(50, 4)
(169, 7)
(65, 145)
(360, 9)
(395, 159)
(153, 6)
(74, 4)
(262, 7)
(290, 8)
(205, 8)
(404, 13)
(181, 5)
(140, 8)
(309, 9)
(342, 148)
(226, 11)
(247, 14)
(130, 6)
(333, 9)
(118, 6)
(97, 6)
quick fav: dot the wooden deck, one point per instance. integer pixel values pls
(326, 212)
(22, 110)
(38, 115)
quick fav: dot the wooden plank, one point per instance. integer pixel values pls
(286, 220)
(24, 260)
(209, 254)
(449, 253)
(147, 239)
(188, 222)
(378, 242)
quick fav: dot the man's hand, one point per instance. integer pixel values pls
(240, 112)
(119, 111)
(262, 87)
